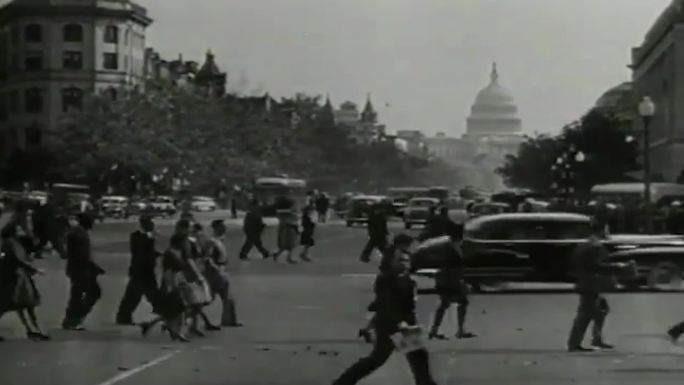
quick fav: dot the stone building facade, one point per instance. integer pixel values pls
(53, 53)
(658, 72)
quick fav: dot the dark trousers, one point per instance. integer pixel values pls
(322, 214)
(592, 308)
(382, 349)
(84, 294)
(677, 330)
(379, 243)
(253, 240)
(233, 209)
(136, 288)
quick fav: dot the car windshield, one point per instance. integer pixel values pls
(532, 230)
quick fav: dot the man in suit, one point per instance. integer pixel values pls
(377, 232)
(82, 272)
(394, 306)
(142, 280)
(593, 276)
(253, 227)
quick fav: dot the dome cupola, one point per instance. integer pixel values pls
(494, 112)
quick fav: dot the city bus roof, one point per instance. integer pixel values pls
(70, 186)
(276, 181)
(634, 188)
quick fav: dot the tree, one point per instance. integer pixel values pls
(608, 156)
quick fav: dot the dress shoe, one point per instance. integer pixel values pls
(579, 349)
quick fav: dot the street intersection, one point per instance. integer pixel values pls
(301, 323)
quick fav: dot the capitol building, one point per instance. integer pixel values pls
(493, 130)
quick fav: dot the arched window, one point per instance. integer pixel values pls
(111, 34)
(73, 33)
(72, 99)
(33, 33)
(33, 135)
(33, 101)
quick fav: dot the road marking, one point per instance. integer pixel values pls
(131, 372)
(358, 275)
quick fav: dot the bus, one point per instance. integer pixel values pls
(270, 191)
(633, 193)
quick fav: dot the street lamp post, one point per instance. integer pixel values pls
(647, 110)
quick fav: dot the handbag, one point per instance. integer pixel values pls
(409, 340)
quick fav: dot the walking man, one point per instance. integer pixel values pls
(141, 273)
(217, 274)
(82, 272)
(593, 275)
(253, 227)
(377, 232)
(394, 306)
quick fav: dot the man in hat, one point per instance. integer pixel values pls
(217, 274)
(82, 272)
(377, 232)
(141, 273)
(253, 227)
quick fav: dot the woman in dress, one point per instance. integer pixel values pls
(172, 305)
(288, 231)
(18, 291)
(307, 236)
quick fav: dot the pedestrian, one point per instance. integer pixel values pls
(593, 276)
(449, 282)
(171, 305)
(253, 228)
(288, 231)
(322, 204)
(18, 291)
(216, 273)
(307, 237)
(234, 201)
(82, 272)
(395, 293)
(198, 292)
(142, 280)
(377, 232)
(400, 245)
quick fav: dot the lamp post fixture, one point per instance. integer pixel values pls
(646, 111)
(565, 168)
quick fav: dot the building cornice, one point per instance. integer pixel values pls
(14, 11)
(665, 23)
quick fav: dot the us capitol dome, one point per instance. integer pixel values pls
(494, 115)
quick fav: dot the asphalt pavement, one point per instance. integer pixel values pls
(301, 323)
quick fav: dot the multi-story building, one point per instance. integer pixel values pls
(658, 72)
(363, 126)
(207, 78)
(53, 53)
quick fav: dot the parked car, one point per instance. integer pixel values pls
(201, 203)
(417, 210)
(488, 208)
(163, 205)
(359, 207)
(114, 206)
(457, 209)
(538, 247)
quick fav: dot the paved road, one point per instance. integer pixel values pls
(301, 323)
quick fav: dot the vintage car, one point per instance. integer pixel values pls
(488, 208)
(417, 211)
(163, 205)
(359, 207)
(114, 206)
(202, 203)
(538, 247)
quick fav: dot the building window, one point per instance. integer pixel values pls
(33, 101)
(111, 34)
(33, 61)
(127, 36)
(33, 33)
(73, 60)
(125, 61)
(73, 33)
(14, 102)
(16, 35)
(72, 99)
(33, 135)
(3, 107)
(111, 61)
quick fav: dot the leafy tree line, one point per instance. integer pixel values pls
(151, 138)
(608, 156)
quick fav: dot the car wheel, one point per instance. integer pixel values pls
(665, 275)
(476, 286)
(407, 225)
(350, 224)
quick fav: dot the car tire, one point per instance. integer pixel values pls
(665, 275)
(350, 224)
(407, 225)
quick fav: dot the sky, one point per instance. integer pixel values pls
(423, 61)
